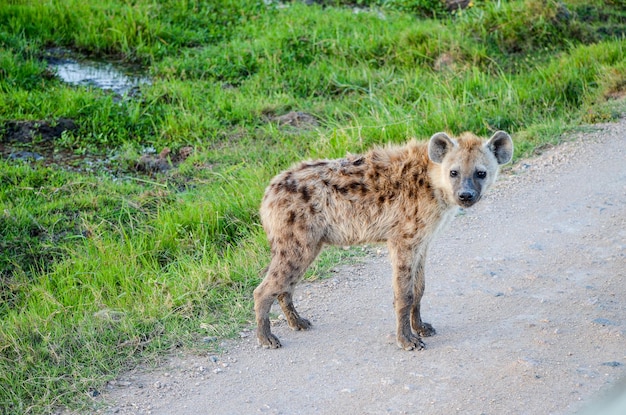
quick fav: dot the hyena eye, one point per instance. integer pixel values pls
(481, 174)
(454, 173)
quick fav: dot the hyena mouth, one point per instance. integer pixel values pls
(467, 202)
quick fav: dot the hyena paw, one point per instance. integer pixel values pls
(411, 342)
(269, 342)
(425, 330)
(300, 324)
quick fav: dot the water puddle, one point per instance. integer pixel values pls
(37, 141)
(119, 79)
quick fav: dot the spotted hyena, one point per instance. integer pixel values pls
(402, 195)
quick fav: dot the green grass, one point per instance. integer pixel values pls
(101, 270)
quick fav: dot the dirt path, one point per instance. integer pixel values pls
(527, 292)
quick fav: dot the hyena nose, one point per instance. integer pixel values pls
(467, 196)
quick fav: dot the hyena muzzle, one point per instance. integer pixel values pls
(401, 195)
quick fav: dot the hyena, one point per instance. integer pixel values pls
(401, 195)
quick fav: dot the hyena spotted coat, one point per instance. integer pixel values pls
(401, 195)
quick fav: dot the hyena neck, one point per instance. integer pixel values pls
(410, 172)
(441, 189)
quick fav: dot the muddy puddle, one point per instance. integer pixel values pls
(38, 141)
(109, 76)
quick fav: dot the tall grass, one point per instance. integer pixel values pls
(100, 270)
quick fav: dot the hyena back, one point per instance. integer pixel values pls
(399, 195)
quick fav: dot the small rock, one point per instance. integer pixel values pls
(387, 381)
(604, 322)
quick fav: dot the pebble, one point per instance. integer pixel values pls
(387, 381)
(604, 322)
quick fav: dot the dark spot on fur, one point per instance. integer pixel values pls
(305, 193)
(405, 169)
(358, 187)
(292, 218)
(325, 182)
(404, 269)
(340, 189)
(421, 182)
(382, 199)
(291, 186)
(289, 183)
(374, 174)
(293, 266)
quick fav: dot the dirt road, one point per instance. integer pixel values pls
(527, 291)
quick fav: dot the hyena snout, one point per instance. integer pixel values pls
(468, 196)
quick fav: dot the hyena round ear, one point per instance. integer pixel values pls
(438, 146)
(501, 145)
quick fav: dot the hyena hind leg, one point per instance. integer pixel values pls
(264, 297)
(282, 276)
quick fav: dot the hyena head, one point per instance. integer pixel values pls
(468, 165)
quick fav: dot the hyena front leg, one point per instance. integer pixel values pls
(285, 270)
(420, 327)
(401, 255)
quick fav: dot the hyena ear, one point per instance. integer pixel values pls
(501, 145)
(438, 147)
